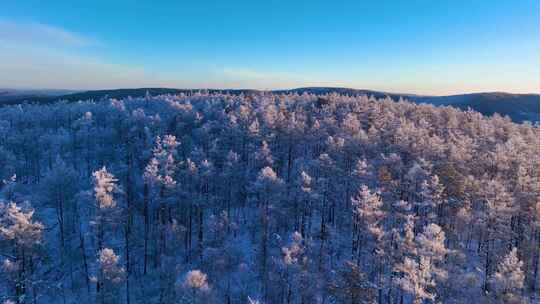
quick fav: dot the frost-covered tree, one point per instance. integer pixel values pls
(508, 280)
(447, 193)
(196, 288)
(433, 202)
(18, 227)
(105, 189)
(368, 215)
(159, 182)
(422, 269)
(417, 279)
(352, 286)
(295, 263)
(266, 188)
(59, 189)
(109, 276)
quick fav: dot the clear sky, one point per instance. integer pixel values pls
(426, 47)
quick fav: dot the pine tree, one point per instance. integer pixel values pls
(266, 187)
(422, 268)
(295, 262)
(105, 189)
(17, 225)
(159, 183)
(368, 216)
(110, 274)
(508, 280)
(352, 285)
(196, 287)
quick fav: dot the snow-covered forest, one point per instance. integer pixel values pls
(266, 198)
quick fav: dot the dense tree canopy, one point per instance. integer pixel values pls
(266, 198)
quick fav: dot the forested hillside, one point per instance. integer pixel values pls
(519, 107)
(274, 198)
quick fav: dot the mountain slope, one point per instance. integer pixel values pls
(519, 107)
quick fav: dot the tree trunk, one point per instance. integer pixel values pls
(146, 227)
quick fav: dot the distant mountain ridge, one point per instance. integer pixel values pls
(519, 107)
(7, 95)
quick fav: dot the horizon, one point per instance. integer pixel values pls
(74, 91)
(421, 48)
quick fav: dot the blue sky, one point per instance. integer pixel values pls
(424, 47)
